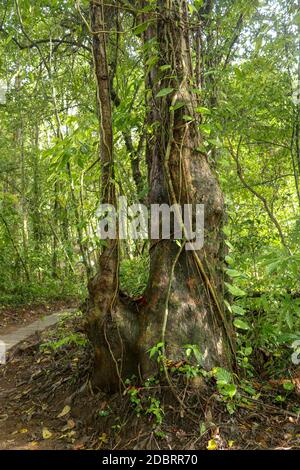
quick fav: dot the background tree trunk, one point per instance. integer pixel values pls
(103, 288)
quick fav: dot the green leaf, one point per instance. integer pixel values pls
(203, 110)
(152, 61)
(229, 260)
(141, 28)
(248, 351)
(242, 325)
(205, 128)
(238, 310)
(258, 43)
(272, 267)
(186, 117)
(198, 355)
(192, 8)
(223, 376)
(249, 389)
(164, 92)
(227, 242)
(164, 67)
(289, 320)
(235, 291)
(229, 390)
(177, 106)
(202, 428)
(193, 348)
(231, 409)
(289, 386)
(234, 273)
(196, 90)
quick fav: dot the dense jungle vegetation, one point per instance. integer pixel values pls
(160, 102)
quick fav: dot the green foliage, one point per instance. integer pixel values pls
(145, 404)
(156, 352)
(134, 274)
(193, 349)
(164, 92)
(49, 168)
(155, 410)
(267, 318)
(74, 338)
(50, 289)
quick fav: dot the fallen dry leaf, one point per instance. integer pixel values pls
(64, 412)
(23, 431)
(70, 425)
(46, 433)
(212, 445)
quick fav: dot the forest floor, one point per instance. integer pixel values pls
(46, 402)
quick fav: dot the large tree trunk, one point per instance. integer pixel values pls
(179, 173)
(183, 300)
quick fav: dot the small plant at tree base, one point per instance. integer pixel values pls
(135, 399)
(226, 387)
(193, 349)
(160, 434)
(156, 352)
(146, 405)
(155, 410)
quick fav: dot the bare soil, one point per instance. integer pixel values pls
(46, 402)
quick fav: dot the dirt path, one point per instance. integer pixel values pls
(20, 334)
(34, 383)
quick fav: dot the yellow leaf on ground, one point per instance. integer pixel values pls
(64, 412)
(212, 445)
(46, 433)
(23, 431)
(33, 444)
(103, 438)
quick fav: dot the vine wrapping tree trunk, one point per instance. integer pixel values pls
(183, 302)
